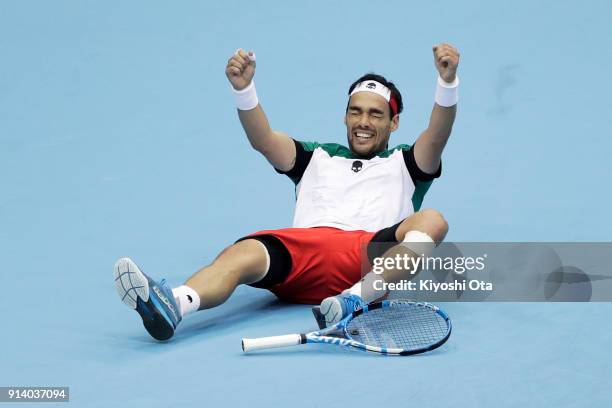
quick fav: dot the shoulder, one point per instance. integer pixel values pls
(332, 149)
(403, 148)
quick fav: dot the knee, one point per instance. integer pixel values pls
(429, 221)
(224, 252)
(435, 218)
(435, 223)
(245, 261)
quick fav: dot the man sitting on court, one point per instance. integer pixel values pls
(365, 195)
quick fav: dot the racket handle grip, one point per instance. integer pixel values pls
(272, 342)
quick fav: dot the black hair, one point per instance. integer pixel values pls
(395, 93)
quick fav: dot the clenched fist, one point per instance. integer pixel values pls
(446, 58)
(240, 69)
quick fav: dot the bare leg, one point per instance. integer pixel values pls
(427, 221)
(369, 288)
(242, 263)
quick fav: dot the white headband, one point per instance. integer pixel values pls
(374, 87)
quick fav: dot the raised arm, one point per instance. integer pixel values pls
(277, 147)
(428, 147)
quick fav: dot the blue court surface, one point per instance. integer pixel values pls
(119, 137)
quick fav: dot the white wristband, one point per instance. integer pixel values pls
(246, 99)
(447, 94)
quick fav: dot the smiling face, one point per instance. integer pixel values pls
(368, 124)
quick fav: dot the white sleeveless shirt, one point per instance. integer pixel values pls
(335, 188)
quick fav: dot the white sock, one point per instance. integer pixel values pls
(187, 298)
(365, 288)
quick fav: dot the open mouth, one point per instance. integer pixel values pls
(360, 135)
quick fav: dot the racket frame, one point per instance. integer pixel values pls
(338, 335)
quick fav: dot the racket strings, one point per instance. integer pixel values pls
(406, 326)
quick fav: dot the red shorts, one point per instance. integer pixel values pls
(324, 262)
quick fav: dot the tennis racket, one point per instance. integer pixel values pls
(391, 327)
